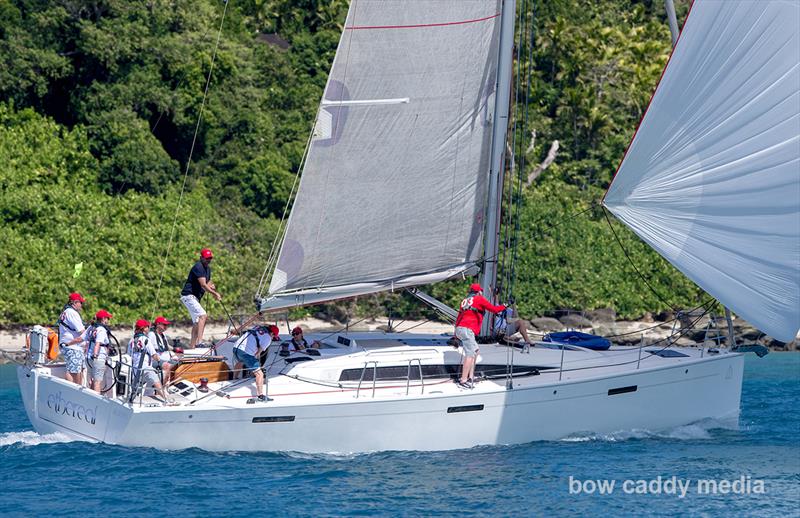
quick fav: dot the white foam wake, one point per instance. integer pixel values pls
(30, 438)
(696, 431)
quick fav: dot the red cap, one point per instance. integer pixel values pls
(178, 350)
(76, 297)
(161, 320)
(142, 323)
(102, 314)
(206, 253)
(273, 330)
(297, 330)
(475, 287)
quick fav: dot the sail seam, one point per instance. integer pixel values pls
(420, 25)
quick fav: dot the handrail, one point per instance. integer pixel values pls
(408, 375)
(374, 377)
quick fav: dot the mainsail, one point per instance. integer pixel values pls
(712, 178)
(394, 185)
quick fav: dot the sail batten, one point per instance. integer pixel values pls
(394, 183)
(712, 178)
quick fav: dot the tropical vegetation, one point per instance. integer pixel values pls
(109, 186)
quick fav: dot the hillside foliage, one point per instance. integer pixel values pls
(99, 102)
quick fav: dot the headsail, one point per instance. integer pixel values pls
(394, 185)
(712, 178)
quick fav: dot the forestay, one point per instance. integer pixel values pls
(712, 177)
(394, 185)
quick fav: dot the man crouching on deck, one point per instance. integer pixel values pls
(468, 325)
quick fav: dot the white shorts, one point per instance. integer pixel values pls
(193, 305)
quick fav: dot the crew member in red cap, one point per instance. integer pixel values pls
(70, 330)
(468, 326)
(199, 282)
(298, 342)
(159, 339)
(97, 338)
(143, 358)
(248, 350)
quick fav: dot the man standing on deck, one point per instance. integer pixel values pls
(468, 325)
(198, 282)
(70, 331)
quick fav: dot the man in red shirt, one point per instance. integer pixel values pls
(468, 325)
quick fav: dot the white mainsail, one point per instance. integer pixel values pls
(712, 178)
(394, 186)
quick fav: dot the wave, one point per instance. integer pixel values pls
(31, 438)
(700, 430)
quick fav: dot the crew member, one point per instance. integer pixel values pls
(143, 355)
(468, 325)
(97, 337)
(508, 324)
(197, 283)
(247, 351)
(298, 343)
(70, 340)
(160, 342)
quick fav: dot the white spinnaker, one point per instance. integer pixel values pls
(712, 178)
(394, 185)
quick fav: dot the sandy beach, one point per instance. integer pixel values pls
(621, 332)
(14, 339)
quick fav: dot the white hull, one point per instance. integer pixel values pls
(669, 393)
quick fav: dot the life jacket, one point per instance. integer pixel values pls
(91, 336)
(136, 345)
(242, 344)
(466, 304)
(62, 321)
(161, 342)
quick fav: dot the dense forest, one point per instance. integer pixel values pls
(99, 106)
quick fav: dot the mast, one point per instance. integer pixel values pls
(500, 128)
(673, 21)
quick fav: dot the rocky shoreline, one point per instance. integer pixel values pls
(693, 329)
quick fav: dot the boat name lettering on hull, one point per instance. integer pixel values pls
(62, 406)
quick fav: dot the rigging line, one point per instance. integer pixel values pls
(508, 214)
(272, 257)
(670, 343)
(161, 115)
(523, 160)
(189, 160)
(549, 227)
(630, 260)
(639, 331)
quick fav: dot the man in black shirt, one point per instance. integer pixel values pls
(199, 282)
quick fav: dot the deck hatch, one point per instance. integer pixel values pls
(667, 353)
(465, 408)
(274, 419)
(622, 390)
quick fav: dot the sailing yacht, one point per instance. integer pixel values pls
(400, 187)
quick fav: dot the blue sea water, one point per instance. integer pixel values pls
(51, 475)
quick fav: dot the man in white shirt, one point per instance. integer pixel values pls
(247, 351)
(158, 339)
(97, 337)
(143, 354)
(70, 340)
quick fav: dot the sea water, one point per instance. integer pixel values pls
(698, 470)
